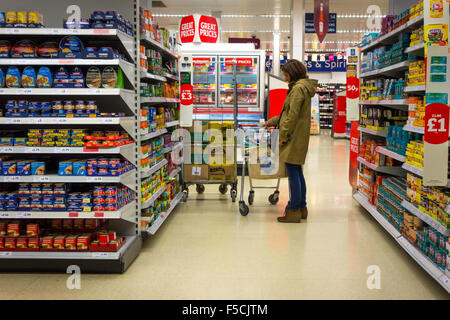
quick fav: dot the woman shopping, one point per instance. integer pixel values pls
(294, 124)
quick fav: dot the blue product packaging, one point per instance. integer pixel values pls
(111, 15)
(37, 168)
(61, 78)
(23, 168)
(20, 142)
(97, 24)
(79, 168)
(65, 168)
(44, 78)
(105, 53)
(23, 49)
(12, 78)
(91, 53)
(2, 19)
(98, 15)
(71, 47)
(76, 79)
(29, 78)
(112, 24)
(9, 168)
(2, 78)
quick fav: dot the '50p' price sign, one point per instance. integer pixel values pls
(436, 123)
(186, 94)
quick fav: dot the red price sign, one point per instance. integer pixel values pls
(352, 88)
(208, 29)
(73, 214)
(99, 214)
(436, 123)
(186, 94)
(187, 29)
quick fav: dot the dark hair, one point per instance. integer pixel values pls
(295, 69)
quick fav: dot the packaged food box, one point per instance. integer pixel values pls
(33, 243)
(71, 243)
(29, 78)
(65, 168)
(10, 243)
(59, 242)
(44, 79)
(47, 242)
(37, 168)
(13, 229)
(22, 242)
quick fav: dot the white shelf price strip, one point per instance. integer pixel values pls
(383, 133)
(163, 216)
(391, 154)
(149, 171)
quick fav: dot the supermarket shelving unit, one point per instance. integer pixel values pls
(402, 104)
(327, 93)
(148, 42)
(126, 221)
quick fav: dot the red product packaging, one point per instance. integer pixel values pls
(57, 224)
(112, 236)
(13, 230)
(32, 230)
(47, 242)
(2, 229)
(91, 224)
(94, 244)
(78, 224)
(2, 243)
(71, 243)
(83, 242)
(114, 245)
(10, 242)
(59, 242)
(67, 224)
(22, 242)
(33, 243)
(103, 238)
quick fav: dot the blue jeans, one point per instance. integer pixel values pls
(297, 186)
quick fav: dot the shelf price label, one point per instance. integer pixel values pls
(94, 179)
(23, 215)
(101, 254)
(106, 120)
(41, 179)
(13, 120)
(36, 120)
(99, 214)
(73, 214)
(32, 150)
(6, 253)
(12, 178)
(62, 150)
(7, 150)
(94, 91)
(5, 215)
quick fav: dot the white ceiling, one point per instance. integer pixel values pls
(256, 25)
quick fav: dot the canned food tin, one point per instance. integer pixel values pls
(92, 171)
(110, 200)
(99, 200)
(103, 172)
(57, 105)
(99, 207)
(79, 105)
(111, 191)
(103, 163)
(99, 191)
(33, 18)
(68, 105)
(22, 104)
(21, 17)
(114, 162)
(91, 163)
(11, 17)
(91, 105)
(110, 207)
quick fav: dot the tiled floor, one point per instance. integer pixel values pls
(206, 250)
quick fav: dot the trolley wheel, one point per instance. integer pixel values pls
(223, 188)
(200, 188)
(243, 208)
(233, 195)
(274, 197)
(251, 197)
(185, 194)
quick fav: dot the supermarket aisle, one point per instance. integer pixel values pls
(208, 251)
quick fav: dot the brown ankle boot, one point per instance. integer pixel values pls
(304, 213)
(292, 216)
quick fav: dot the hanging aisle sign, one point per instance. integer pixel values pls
(321, 18)
(199, 28)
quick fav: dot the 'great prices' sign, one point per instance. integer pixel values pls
(199, 28)
(187, 29)
(239, 61)
(436, 123)
(352, 88)
(186, 94)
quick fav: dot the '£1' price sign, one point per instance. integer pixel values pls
(186, 94)
(436, 123)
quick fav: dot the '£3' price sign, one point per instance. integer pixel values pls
(436, 123)
(186, 94)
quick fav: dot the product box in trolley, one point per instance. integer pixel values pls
(195, 172)
(221, 172)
